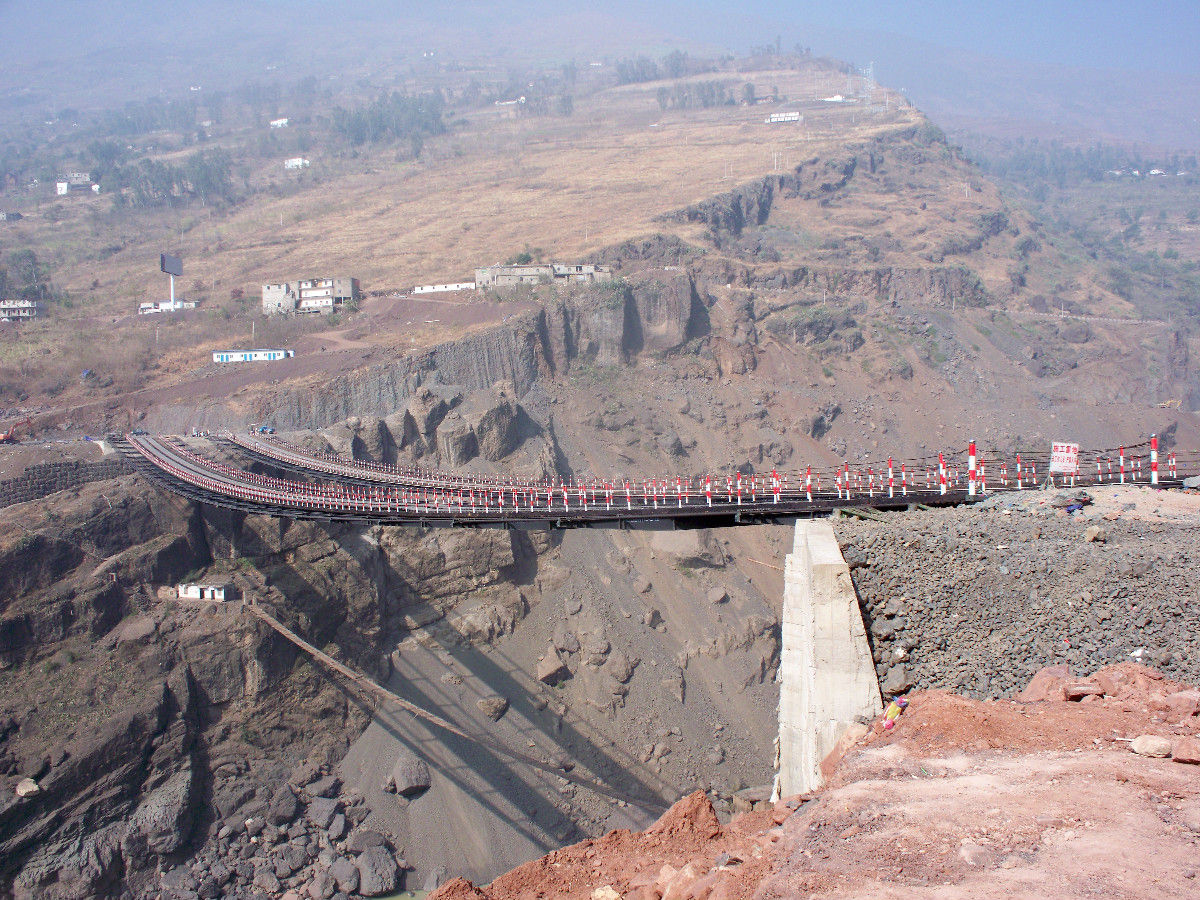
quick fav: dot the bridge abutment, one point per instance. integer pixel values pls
(828, 676)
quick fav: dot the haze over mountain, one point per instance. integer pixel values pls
(1108, 71)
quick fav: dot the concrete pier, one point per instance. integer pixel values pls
(828, 676)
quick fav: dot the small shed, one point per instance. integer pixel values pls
(218, 593)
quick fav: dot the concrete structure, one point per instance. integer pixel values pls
(828, 676)
(781, 117)
(237, 356)
(165, 306)
(19, 310)
(296, 162)
(444, 288)
(75, 181)
(507, 276)
(217, 592)
(279, 123)
(310, 295)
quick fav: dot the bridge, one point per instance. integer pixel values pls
(827, 675)
(330, 487)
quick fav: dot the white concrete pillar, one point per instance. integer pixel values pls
(828, 676)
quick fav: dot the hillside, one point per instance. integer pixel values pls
(859, 193)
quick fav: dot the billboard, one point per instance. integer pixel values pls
(172, 265)
(1064, 458)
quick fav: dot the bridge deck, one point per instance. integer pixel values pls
(346, 499)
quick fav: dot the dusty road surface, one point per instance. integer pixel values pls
(1036, 797)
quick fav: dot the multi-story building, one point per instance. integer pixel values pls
(309, 295)
(506, 276)
(19, 310)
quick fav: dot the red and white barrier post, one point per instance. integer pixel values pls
(891, 479)
(808, 483)
(1121, 456)
(971, 462)
(1154, 459)
(941, 474)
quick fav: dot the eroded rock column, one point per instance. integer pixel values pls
(828, 678)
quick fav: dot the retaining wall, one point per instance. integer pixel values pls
(49, 478)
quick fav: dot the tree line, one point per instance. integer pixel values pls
(393, 117)
(698, 95)
(1035, 161)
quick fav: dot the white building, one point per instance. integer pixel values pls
(19, 310)
(279, 123)
(217, 592)
(443, 288)
(309, 295)
(239, 356)
(165, 306)
(781, 117)
(296, 162)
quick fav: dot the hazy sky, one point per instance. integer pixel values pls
(1161, 36)
(1049, 64)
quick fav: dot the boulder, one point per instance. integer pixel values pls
(410, 774)
(1151, 745)
(345, 875)
(364, 838)
(321, 887)
(266, 880)
(551, 669)
(290, 860)
(337, 828)
(320, 811)
(327, 786)
(565, 641)
(27, 787)
(621, 667)
(1186, 750)
(377, 872)
(284, 806)
(493, 707)
(897, 681)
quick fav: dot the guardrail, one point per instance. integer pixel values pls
(430, 497)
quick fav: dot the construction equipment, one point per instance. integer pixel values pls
(10, 436)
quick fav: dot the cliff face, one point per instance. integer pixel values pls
(603, 324)
(148, 725)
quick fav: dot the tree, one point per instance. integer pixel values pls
(566, 105)
(748, 93)
(675, 64)
(26, 276)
